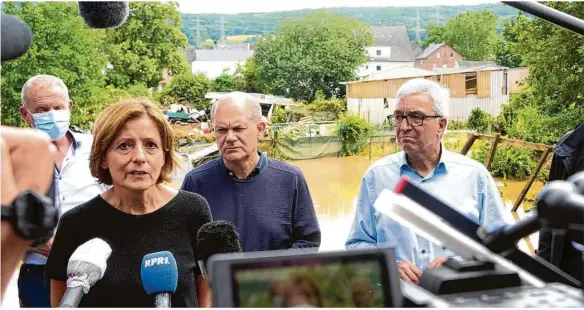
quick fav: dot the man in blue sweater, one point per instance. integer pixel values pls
(266, 199)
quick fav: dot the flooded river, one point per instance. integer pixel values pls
(334, 185)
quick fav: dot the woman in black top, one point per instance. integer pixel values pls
(132, 150)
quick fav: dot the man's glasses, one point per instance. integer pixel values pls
(413, 120)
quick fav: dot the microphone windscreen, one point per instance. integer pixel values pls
(578, 181)
(16, 37)
(217, 237)
(95, 251)
(103, 14)
(159, 273)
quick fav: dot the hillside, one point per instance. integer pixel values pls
(260, 23)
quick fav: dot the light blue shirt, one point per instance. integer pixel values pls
(75, 183)
(461, 182)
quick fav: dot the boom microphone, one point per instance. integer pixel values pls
(104, 14)
(560, 205)
(160, 277)
(16, 37)
(214, 238)
(86, 266)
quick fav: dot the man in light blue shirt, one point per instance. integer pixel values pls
(421, 117)
(46, 106)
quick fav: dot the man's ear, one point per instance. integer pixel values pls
(442, 125)
(27, 116)
(261, 128)
(70, 104)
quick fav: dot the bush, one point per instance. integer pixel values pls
(279, 115)
(335, 106)
(509, 162)
(186, 89)
(480, 120)
(457, 125)
(354, 132)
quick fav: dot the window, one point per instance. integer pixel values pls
(378, 52)
(470, 83)
(451, 55)
(366, 67)
(378, 68)
(438, 55)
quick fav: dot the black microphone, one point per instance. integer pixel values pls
(86, 266)
(560, 205)
(214, 238)
(16, 37)
(104, 14)
(578, 181)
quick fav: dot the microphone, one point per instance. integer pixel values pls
(103, 14)
(578, 181)
(16, 37)
(214, 238)
(86, 266)
(160, 277)
(559, 204)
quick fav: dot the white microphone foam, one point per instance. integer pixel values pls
(89, 262)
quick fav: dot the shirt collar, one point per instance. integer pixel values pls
(76, 142)
(442, 166)
(261, 164)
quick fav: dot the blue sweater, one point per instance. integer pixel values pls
(272, 209)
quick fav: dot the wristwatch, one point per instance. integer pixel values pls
(32, 216)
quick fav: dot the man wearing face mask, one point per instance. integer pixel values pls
(420, 117)
(46, 106)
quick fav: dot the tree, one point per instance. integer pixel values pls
(187, 89)
(472, 34)
(434, 35)
(317, 52)
(224, 83)
(554, 96)
(506, 52)
(247, 79)
(148, 42)
(64, 47)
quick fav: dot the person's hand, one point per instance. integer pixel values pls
(409, 272)
(437, 262)
(44, 249)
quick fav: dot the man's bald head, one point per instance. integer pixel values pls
(247, 103)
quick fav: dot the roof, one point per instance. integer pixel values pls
(397, 38)
(190, 53)
(407, 72)
(429, 50)
(223, 55)
(416, 49)
(397, 73)
(475, 64)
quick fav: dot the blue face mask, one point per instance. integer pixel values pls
(55, 122)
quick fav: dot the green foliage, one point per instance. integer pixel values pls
(435, 35)
(149, 41)
(509, 162)
(553, 102)
(63, 47)
(139, 90)
(207, 44)
(247, 79)
(457, 125)
(480, 121)
(259, 24)
(223, 83)
(354, 132)
(187, 89)
(506, 50)
(336, 106)
(317, 52)
(472, 34)
(279, 115)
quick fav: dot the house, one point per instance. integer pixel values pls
(392, 49)
(416, 49)
(438, 56)
(214, 62)
(486, 88)
(267, 102)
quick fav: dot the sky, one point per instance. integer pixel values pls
(243, 6)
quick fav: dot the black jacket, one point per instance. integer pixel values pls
(568, 159)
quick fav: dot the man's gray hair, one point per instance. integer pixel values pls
(440, 95)
(45, 80)
(252, 104)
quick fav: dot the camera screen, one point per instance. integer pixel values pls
(316, 283)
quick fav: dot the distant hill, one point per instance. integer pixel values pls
(261, 23)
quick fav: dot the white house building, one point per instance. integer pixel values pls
(213, 62)
(392, 50)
